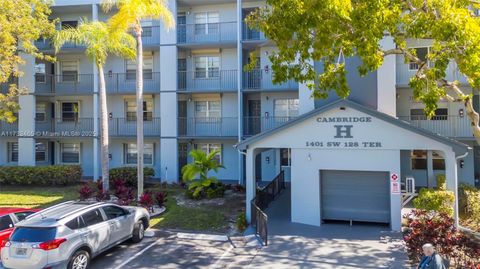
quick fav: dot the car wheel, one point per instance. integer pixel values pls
(79, 260)
(138, 232)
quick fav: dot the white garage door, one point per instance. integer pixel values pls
(355, 195)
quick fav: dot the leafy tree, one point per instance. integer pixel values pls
(329, 31)
(200, 167)
(21, 23)
(100, 41)
(128, 18)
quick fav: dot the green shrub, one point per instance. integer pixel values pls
(129, 175)
(40, 175)
(241, 222)
(438, 200)
(209, 188)
(469, 203)
(441, 182)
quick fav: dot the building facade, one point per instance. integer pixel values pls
(197, 95)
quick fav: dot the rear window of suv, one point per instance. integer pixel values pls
(33, 234)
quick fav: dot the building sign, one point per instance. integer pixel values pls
(394, 184)
(343, 133)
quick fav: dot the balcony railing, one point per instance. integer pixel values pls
(211, 80)
(209, 126)
(249, 34)
(261, 79)
(255, 125)
(128, 127)
(64, 84)
(8, 129)
(77, 127)
(5, 87)
(450, 126)
(47, 45)
(126, 82)
(206, 32)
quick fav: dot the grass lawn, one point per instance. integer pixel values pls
(210, 218)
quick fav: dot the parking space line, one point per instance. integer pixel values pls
(138, 254)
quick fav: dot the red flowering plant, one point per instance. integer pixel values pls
(125, 195)
(101, 195)
(146, 200)
(85, 192)
(161, 198)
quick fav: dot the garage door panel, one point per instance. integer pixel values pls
(355, 195)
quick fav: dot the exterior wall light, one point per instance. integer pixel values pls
(267, 114)
(462, 163)
(309, 157)
(267, 159)
(110, 115)
(461, 112)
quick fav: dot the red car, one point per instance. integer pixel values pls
(9, 216)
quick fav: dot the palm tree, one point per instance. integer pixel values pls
(128, 18)
(100, 41)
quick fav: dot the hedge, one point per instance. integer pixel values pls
(129, 175)
(40, 175)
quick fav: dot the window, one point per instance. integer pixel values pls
(207, 23)
(131, 108)
(131, 153)
(13, 152)
(69, 24)
(114, 212)
(40, 74)
(93, 217)
(438, 161)
(207, 109)
(285, 108)
(147, 28)
(207, 148)
(33, 234)
(421, 54)
(70, 111)
(207, 67)
(40, 152)
(419, 114)
(76, 223)
(131, 67)
(6, 222)
(419, 159)
(41, 112)
(70, 153)
(22, 215)
(69, 71)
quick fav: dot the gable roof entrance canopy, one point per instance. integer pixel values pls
(345, 126)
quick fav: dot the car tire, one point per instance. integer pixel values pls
(138, 232)
(79, 260)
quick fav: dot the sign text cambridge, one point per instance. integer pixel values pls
(343, 133)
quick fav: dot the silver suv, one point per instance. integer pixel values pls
(68, 235)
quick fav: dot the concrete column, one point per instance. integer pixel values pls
(452, 180)
(239, 87)
(386, 80)
(395, 198)
(168, 101)
(96, 116)
(431, 181)
(250, 183)
(26, 114)
(307, 103)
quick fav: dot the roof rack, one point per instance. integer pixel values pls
(78, 210)
(43, 211)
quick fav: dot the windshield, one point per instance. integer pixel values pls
(33, 234)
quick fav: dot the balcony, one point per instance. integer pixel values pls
(216, 80)
(8, 129)
(256, 125)
(128, 127)
(208, 127)
(47, 45)
(58, 127)
(125, 83)
(223, 32)
(249, 34)
(261, 79)
(64, 84)
(407, 70)
(450, 126)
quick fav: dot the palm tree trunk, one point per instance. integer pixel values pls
(139, 99)
(104, 130)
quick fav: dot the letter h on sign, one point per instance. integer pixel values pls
(343, 131)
